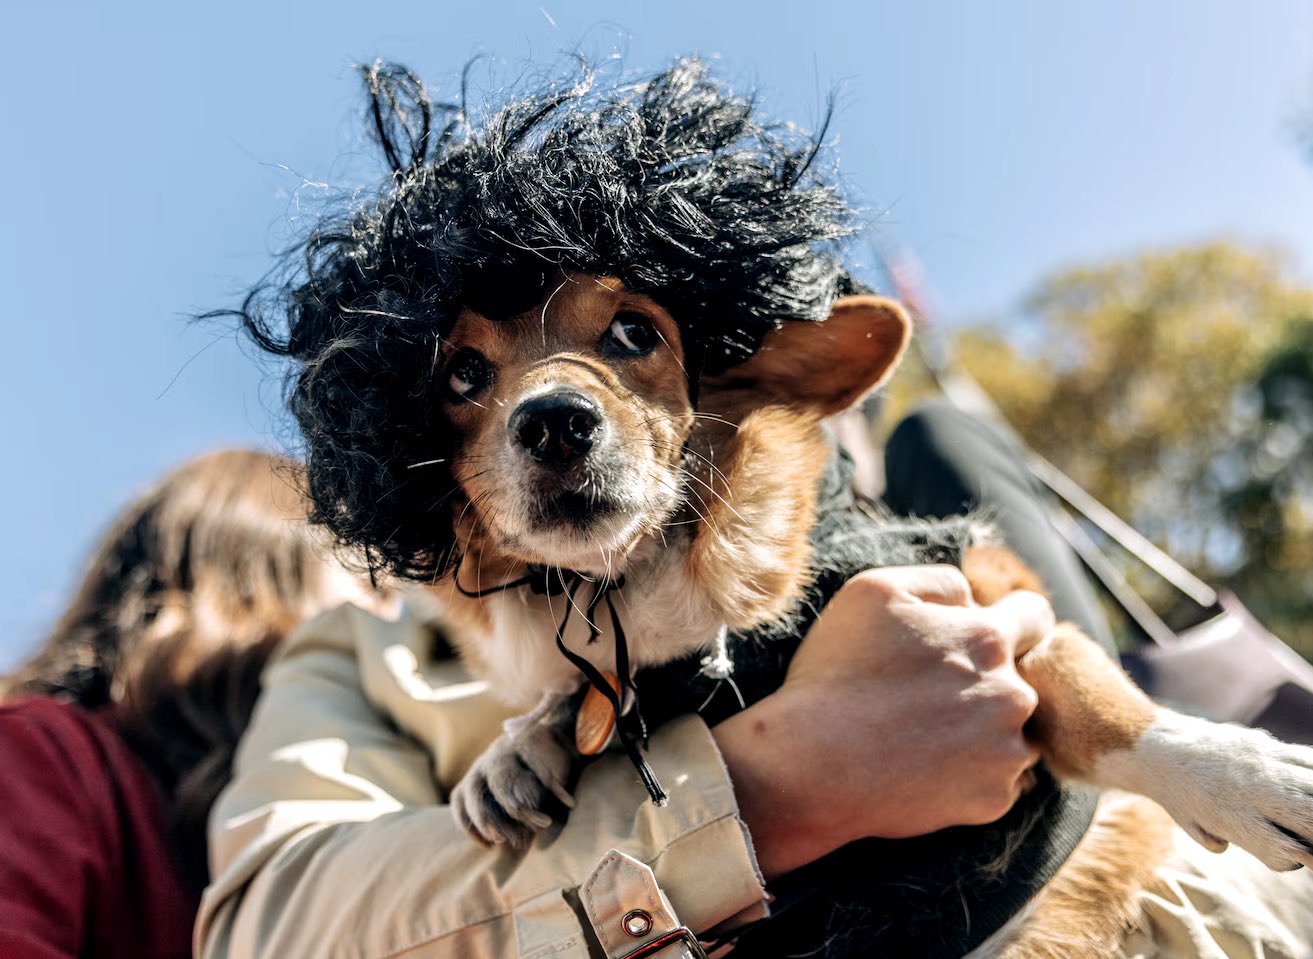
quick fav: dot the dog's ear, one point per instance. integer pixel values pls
(823, 367)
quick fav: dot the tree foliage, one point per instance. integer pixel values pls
(1271, 496)
(1177, 387)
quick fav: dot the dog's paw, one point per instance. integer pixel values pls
(503, 796)
(1229, 784)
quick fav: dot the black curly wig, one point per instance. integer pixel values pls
(672, 184)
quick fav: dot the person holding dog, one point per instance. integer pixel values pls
(904, 699)
(901, 714)
(116, 736)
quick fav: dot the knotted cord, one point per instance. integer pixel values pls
(630, 727)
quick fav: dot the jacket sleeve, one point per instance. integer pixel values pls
(334, 838)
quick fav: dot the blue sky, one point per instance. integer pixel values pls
(155, 154)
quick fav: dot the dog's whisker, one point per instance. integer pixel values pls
(569, 594)
(708, 461)
(681, 493)
(668, 483)
(478, 571)
(705, 459)
(464, 552)
(546, 303)
(458, 488)
(475, 475)
(701, 516)
(714, 418)
(712, 490)
(468, 505)
(672, 352)
(425, 463)
(670, 448)
(705, 514)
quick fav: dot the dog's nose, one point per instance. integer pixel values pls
(556, 429)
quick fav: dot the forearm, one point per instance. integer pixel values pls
(783, 811)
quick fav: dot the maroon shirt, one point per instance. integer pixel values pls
(85, 864)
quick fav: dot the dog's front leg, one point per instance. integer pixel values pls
(506, 792)
(1222, 783)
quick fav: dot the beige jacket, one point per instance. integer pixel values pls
(334, 840)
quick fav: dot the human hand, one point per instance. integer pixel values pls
(901, 714)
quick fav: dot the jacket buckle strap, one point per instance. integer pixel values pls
(631, 916)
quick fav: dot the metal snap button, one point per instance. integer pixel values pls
(636, 923)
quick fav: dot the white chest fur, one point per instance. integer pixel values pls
(663, 615)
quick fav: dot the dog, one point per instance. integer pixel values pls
(573, 455)
(582, 358)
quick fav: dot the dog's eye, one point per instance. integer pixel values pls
(632, 333)
(470, 373)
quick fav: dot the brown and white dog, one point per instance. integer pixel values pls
(578, 447)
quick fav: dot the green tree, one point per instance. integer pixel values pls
(1271, 496)
(1175, 386)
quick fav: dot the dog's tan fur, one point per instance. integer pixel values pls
(759, 517)
(1091, 902)
(995, 571)
(1088, 907)
(733, 550)
(761, 447)
(1088, 707)
(823, 368)
(1077, 722)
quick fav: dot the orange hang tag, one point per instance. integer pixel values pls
(596, 719)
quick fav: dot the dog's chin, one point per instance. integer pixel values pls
(574, 531)
(568, 509)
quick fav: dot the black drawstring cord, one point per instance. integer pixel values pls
(590, 614)
(539, 579)
(633, 744)
(528, 579)
(622, 669)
